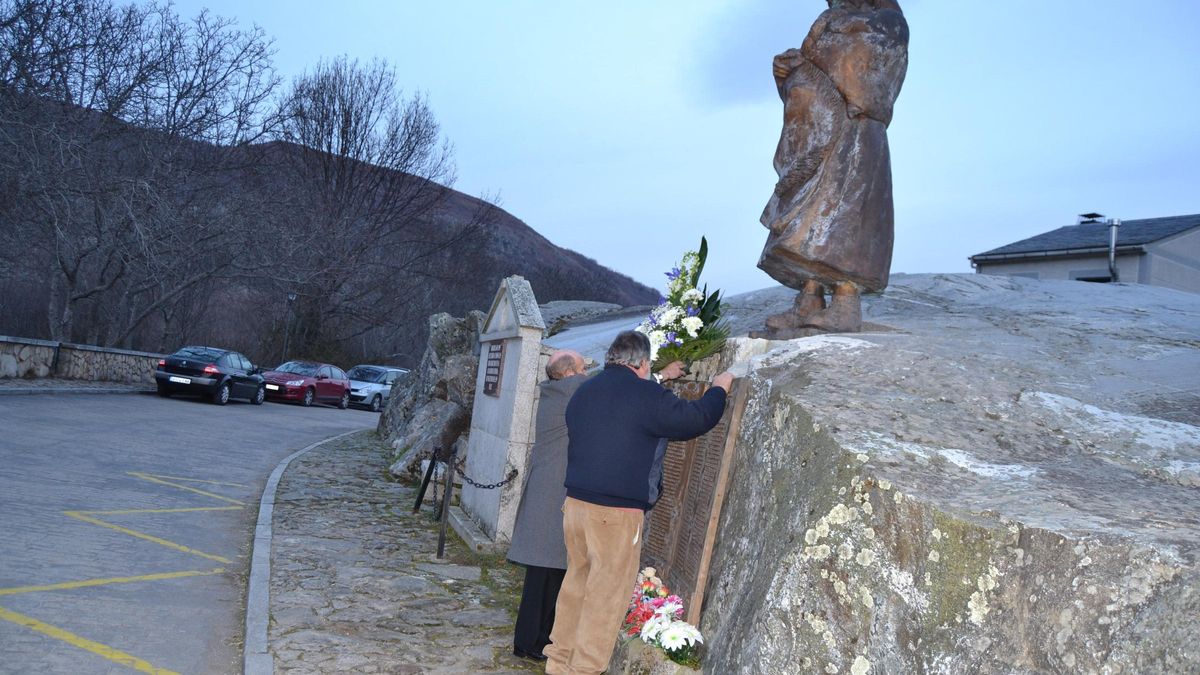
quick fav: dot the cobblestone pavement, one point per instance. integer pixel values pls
(356, 585)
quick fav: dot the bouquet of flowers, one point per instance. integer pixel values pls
(686, 325)
(657, 617)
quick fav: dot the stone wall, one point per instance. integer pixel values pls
(27, 358)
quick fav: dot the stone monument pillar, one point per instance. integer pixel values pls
(502, 421)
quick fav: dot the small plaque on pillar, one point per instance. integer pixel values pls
(494, 367)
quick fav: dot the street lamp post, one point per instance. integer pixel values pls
(287, 327)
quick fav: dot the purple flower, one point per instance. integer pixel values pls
(673, 274)
(662, 299)
(693, 311)
(673, 339)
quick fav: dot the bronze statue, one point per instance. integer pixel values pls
(831, 214)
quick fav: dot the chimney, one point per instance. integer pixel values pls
(1089, 218)
(1114, 275)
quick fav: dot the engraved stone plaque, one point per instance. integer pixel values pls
(681, 527)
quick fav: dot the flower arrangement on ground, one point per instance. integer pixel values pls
(656, 616)
(686, 325)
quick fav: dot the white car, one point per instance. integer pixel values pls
(370, 386)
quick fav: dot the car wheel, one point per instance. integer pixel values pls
(164, 391)
(345, 402)
(260, 395)
(308, 397)
(221, 395)
(376, 403)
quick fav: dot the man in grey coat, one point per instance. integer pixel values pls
(537, 539)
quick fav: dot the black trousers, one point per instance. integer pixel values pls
(535, 616)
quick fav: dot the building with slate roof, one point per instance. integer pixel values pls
(1154, 251)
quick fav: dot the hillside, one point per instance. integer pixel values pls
(215, 239)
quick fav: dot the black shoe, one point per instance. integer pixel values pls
(536, 656)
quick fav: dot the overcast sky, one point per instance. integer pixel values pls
(626, 129)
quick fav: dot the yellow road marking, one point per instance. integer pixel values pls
(152, 479)
(141, 535)
(67, 585)
(122, 512)
(70, 638)
(196, 480)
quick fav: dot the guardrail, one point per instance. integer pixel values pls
(30, 358)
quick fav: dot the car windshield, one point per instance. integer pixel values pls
(200, 353)
(299, 368)
(366, 374)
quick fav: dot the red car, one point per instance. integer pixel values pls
(306, 382)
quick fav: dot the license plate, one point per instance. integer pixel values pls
(179, 380)
(273, 387)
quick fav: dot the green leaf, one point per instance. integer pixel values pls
(701, 256)
(710, 311)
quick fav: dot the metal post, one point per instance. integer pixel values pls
(287, 325)
(425, 483)
(446, 504)
(1114, 274)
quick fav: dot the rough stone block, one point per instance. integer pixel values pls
(974, 492)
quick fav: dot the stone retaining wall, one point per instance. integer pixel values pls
(28, 358)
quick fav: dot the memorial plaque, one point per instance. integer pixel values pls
(681, 528)
(494, 366)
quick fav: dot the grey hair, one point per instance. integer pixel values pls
(629, 348)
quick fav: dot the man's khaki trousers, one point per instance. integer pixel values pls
(604, 545)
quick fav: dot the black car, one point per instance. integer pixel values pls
(218, 374)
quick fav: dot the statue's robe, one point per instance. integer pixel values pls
(831, 215)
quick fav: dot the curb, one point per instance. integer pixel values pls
(25, 391)
(257, 658)
(471, 535)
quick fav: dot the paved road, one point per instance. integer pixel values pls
(127, 523)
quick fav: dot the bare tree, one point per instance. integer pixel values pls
(372, 172)
(107, 120)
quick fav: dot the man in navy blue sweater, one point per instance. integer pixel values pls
(618, 424)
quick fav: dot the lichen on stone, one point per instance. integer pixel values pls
(864, 595)
(845, 551)
(978, 604)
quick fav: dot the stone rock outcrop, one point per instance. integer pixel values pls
(435, 401)
(1002, 483)
(437, 424)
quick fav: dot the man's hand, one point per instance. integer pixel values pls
(671, 371)
(724, 381)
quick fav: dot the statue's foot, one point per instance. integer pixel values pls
(793, 321)
(809, 314)
(844, 315)
(807, 302)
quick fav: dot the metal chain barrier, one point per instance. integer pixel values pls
(483, 486)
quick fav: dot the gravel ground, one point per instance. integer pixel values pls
(356, 585)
